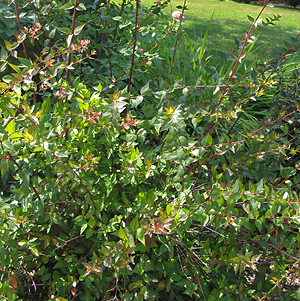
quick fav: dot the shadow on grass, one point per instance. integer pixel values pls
(222, 34)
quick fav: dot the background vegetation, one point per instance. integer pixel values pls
(134, 168)
(227, 21)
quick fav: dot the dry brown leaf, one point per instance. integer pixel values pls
(13, 281)
(73, 291)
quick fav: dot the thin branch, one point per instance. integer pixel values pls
(24, 47)
(72, 33)
(236, 63)
(134, 44)
(176, 42)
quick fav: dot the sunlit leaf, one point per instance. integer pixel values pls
(78, 29)
(34, 251)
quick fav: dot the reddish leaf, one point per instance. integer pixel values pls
(161, 285)
(197, 279)
(13, 281)
(73, 291)
(148, 240)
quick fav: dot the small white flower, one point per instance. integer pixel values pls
(177, 16)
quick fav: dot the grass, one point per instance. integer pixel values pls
(229, 21)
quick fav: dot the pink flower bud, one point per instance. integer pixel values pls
(177, 16)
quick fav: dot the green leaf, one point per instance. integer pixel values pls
(258, 225)
(235, 187)
(8, 45)
(3, 68)
(83, 227)
(134, 224)
(122, 233)
(92, 222)
(25, 62)
(4, 166)
(8, 147)
(69, 40)
(99, 87)
(207, 140)
(137, 100)
(140, 235)
(11, 127)
(89, 233)
(7, 79)
(169, 208)
(24, 175)
(52, 33)
(259, 187)
(251, 187)
(65, 30)
(34, 251)
(46, 277)
(80, 7)
(16, 68)
(250, 19)
(78, 29)
(181, 155)
(118, 18)
(145, 88)
(16, 136)
(46, 108)
(68, 5)
(3, 86)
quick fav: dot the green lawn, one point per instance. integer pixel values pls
(229, 20)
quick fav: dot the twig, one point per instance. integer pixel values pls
(72, 34)
(134, 44)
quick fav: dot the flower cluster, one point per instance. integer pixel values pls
(61, 93)
(32, 32)
(177, 16)
(82, 45)
(129, 122)
(92, 117)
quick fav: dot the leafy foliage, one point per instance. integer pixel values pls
(150, 180)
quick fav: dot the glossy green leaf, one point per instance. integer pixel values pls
(78, 29)
(122, 233)
(11, 127)
(92, 222)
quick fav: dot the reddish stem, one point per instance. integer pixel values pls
(236, 63)
(24, 47)
(286, 178)
(19, 24)
(176, 42)
(134, 44)
(72, 33)
(104, 34)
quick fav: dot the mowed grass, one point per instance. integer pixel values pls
(228, 20)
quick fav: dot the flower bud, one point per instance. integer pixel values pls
(177, 16)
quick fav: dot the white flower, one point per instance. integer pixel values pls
(177, 16)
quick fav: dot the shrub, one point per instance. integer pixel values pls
(142, 184)
(293, 3)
